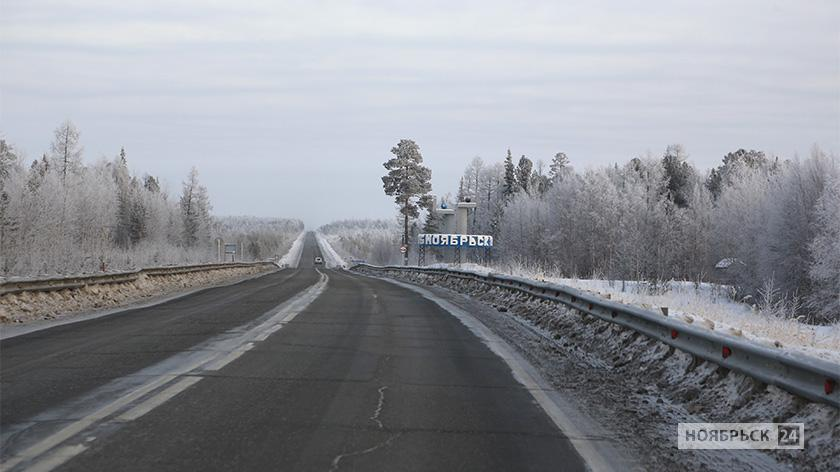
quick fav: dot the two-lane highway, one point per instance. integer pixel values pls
(348, 373)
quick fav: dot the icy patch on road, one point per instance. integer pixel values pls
(331, 258)
(292, 258)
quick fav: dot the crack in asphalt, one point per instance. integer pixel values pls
(378, 411)
(336, 462)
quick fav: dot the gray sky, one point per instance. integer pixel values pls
(289, 110)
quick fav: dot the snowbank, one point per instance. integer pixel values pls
(292, 258)
(708, 304)
(27, 307)
(331, 258)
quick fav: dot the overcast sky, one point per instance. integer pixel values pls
(290, 110)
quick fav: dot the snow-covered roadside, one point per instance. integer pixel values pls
(639, 389)
(29, 307)
(292, 258)
(331, 257)
(708, 305)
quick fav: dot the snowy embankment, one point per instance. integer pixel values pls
(292, 258)
(641, 388)
(26, 307)
(331, 257)
(705, 305)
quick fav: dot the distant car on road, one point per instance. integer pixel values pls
(319, 260)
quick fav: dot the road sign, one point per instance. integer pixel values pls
(455, 240)
(230, 248)
(403, 249)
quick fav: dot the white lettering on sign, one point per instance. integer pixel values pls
(469, 240)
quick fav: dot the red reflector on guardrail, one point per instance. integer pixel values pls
(726, 352)
(674, 334)
(829, 386)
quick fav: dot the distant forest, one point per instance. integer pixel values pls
(59, 215)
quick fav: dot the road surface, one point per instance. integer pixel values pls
(301, 369)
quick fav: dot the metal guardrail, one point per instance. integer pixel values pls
(71, 282)
(808, 377)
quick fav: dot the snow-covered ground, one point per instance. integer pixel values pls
(292, 258)
(709, 305)
(331, 257)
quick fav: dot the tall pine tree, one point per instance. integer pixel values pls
(510, 186)
(408, 181)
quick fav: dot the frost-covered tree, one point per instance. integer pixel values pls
(151, 184)
(408, 181)
(261, 238)
(195, 211)
(791, 221)
(824, 271)
(735, 164)
(100, 216)
(66, 149)
(433, 218)
(523, 174)
(679, 175)
(540, 182)
(472, 177)
(510, 176)
(369, 240)
(8, 159)
(658, 219)
(559, 167)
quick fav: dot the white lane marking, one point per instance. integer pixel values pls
(56, 458)
(220, 347)
(524, 373)
(158, 399)
(53, 440)
(218, 364)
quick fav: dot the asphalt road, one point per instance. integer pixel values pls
(361, 375)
